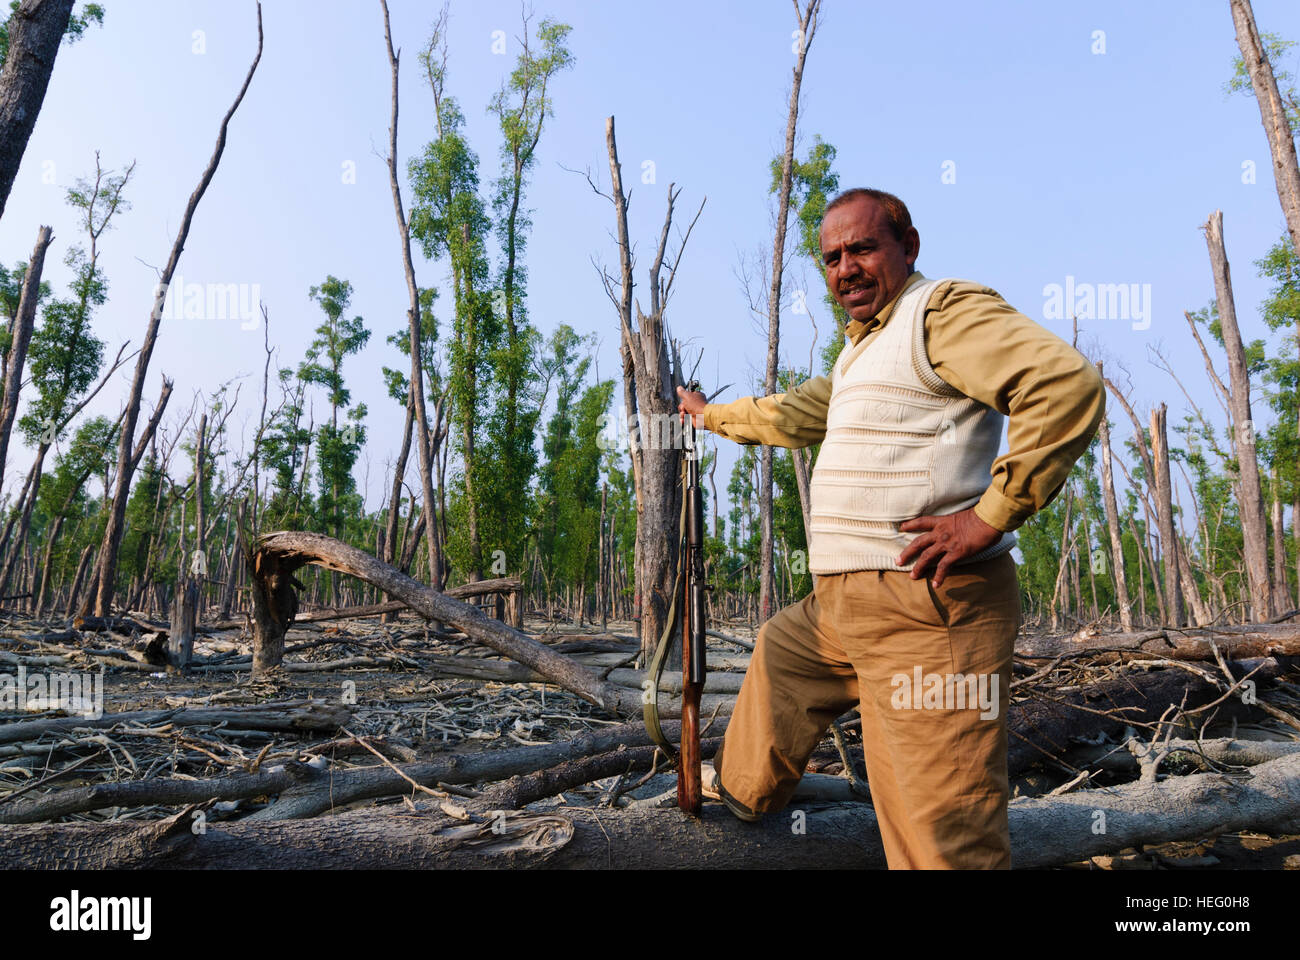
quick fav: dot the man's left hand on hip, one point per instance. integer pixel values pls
(944, 541)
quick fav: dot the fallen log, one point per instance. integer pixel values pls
(720, 683)
(1052, 830)
(116, 625)
(350, 786)
(321, 666)
(1222, 750)
(278, 555)
(429, 838)
(1189, 643)
(743, 644)
(1045, 832)
(170, 792)
(518, 792)
(284, 717)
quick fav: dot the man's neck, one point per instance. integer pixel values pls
(856, 329)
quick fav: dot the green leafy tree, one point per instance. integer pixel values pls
(521, 107)
(814, 182)
(286, 452)
(337, 445)
(449, 221)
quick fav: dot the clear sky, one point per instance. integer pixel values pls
(1065, 162)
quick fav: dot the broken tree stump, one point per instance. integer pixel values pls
(185, 609)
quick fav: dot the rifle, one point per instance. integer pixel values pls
(686, 611)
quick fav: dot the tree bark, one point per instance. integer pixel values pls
(766, 580)
(36, 29)
(180, 641)
(413, 322)
(22, 334)
(126, 461)
(1272, 111)
(653, 372)
(1112, 527)
(235, 565)
(389, 553)
(1281, 587)
(1251, 503)
(1165, 516)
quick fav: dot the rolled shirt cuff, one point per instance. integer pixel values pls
(1000, 512)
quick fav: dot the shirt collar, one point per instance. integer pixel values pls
(857, 329)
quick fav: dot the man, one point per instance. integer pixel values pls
(916, 605)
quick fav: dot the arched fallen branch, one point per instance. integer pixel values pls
(279, 555)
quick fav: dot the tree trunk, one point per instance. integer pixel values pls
(79, 578)
(36, 29)
(23, 322)
(1295, 538)
(180, 642)
(414, 326)
(199, 570)
(127, 459)
(1272, 111)
(647, 368)
(1059, 595)
(1165, 516)
(804, 35)
(1253, 527)
(1112, 527)
(235, 565)
(602, 585)
(1279, 544)
(389, 552)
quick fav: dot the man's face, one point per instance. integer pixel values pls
(866, 266)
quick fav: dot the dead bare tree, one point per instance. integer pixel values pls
(1272, 111)
(36, 28)
(1161, 484)
(1170, 602)
(1249, 492)
(804, 36)
(424, 436)
(650, 379)
(1112, 525)
(22, 336)
(102, 595)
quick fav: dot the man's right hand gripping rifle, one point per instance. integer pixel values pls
(692, 403)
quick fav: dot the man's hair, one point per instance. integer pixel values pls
(900, 220)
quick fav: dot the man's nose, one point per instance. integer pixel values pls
(846, 266)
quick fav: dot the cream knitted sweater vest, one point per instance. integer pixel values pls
(900, 443)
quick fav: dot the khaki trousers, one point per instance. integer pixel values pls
(936, 758)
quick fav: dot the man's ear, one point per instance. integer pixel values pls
(912, 245)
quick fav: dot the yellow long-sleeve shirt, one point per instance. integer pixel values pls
(979, 344)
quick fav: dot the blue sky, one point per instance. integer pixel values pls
(1068, 163)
